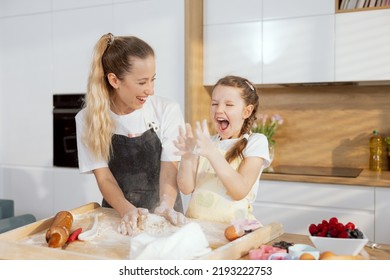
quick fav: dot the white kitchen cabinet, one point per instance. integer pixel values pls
(277, 9)
(297, 205)
(362, 46)
(25, 88)
(231, 11)
(72, 4)
(233, 49)
(163, 29)
(269, 42)
(31, 189)
(48, 49)
(298, 50)
(9, 8)
(74, 38)
(382, 215)
(72, 189)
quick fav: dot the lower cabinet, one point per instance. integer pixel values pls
(45, 191)
(382, 215)
(297, 205)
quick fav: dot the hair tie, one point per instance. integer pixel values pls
(246, 136)
(250, 85)
(111, 39)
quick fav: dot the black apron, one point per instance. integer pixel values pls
(135, 164)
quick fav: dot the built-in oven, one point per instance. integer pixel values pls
(65, 108)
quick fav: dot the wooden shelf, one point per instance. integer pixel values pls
(339, 10)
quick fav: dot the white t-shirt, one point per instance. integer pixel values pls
(159, 112)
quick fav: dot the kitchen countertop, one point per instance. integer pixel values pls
(373, 253)
(365, 178)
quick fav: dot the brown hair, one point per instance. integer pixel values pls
(112, 54)
(250, 97)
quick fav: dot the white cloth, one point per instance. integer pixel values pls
(187, 243)
(165, 113)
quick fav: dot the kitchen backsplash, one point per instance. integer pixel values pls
(327, 125)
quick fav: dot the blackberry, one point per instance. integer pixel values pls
(356, 233)
(282, 244)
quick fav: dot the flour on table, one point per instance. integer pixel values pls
(109, 243)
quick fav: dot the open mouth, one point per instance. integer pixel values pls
(142, 99)
(223, 123)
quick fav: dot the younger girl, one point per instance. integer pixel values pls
(222, 172)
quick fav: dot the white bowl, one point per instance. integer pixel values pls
(339, 246)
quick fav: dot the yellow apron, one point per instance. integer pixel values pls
(210, 200)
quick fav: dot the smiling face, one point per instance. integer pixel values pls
(228, 111)
(132, 91)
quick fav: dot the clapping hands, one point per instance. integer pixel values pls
(188, 145)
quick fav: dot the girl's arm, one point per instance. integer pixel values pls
(239, 182)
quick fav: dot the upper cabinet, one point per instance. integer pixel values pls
(231, 11)
(232, 39)
(301, 41)
(232, 49)
(277, 9)
(363, 46)
(298, 50)
(298, 41)
(269, 41)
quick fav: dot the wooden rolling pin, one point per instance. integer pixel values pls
(58, 233)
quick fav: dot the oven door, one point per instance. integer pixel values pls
(64, 137)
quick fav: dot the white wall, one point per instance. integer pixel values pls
(45, 48)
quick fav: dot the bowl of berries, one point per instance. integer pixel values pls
(339, 238)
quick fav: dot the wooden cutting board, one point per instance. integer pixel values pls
(29, 242)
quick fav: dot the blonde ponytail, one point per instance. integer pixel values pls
(99, 123)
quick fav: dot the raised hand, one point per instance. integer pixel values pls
(185, 141)
(204, 145)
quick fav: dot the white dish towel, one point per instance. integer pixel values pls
(187, 243)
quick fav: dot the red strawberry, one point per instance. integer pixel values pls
(313, 229)
(334, 233)
(350, 226)
(325, 223)
(340, 227)
(333, 220)
(321, 234)
(343, 234)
